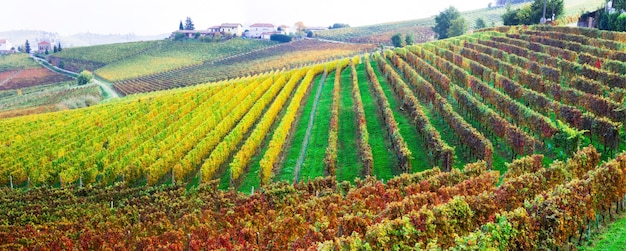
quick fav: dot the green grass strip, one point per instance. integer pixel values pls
(287, 170)
(349, 165)
(313, 165)
(385, 162)
(420, 161)
(613, 238)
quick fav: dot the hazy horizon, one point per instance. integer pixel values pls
(68, 17)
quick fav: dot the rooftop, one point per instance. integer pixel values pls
(262, 25)
(231, 25)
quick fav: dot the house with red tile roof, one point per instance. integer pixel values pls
(43, 46)
(234, 29)
(6, 47)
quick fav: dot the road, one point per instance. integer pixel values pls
(106, 87)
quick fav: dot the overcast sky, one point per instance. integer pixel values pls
(144, 17)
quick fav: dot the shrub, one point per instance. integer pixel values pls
(84, 77)
(280, 38)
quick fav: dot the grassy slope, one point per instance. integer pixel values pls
(16, 61)
(349, 165)
(413, 139)
(313, 165)
(169, 55)
(106, 53)
(385, 160)
(613, 237)
(291, 157)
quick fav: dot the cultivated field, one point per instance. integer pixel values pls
(116, 62)
(280, 56)
(403, 148)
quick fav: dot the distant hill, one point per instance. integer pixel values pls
(77, 40)
(421, 28)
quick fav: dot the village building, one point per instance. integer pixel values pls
(43, 46)
(284, 29)
(233, 29)
(256, 30)
(6, 47)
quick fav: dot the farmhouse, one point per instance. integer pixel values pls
(43, 46)
(234, 29)
(257, 30)
(284, 29)
(6, 47)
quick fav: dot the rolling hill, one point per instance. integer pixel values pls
(395, 148)
(420, 28)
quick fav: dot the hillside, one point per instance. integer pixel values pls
(117, 62)
(26, 87)
(157, 65)
(493, 95)
(390, 139)
(280, 56)
(421, 28)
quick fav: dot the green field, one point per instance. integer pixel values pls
(16, 61)
(170, 55)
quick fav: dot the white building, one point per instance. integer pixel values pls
(5, 46)
(234, 29)
(257, 30)
(284, 29)
(268, 35)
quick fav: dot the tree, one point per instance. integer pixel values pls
(189, 24)
(396, 40)
(179, 36)
(525, 16)
(510, 16)
(457, 27)
(180, 26)
(27, 47)
(54, 49)
(409, 39)
(340, 25)
(619, 4)
(59, 47)
(309, 34)
(300, 26)
(443, 21)
(480, 23)
(532, 14)
(554, 10)
(46, 51)
(84, 77)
